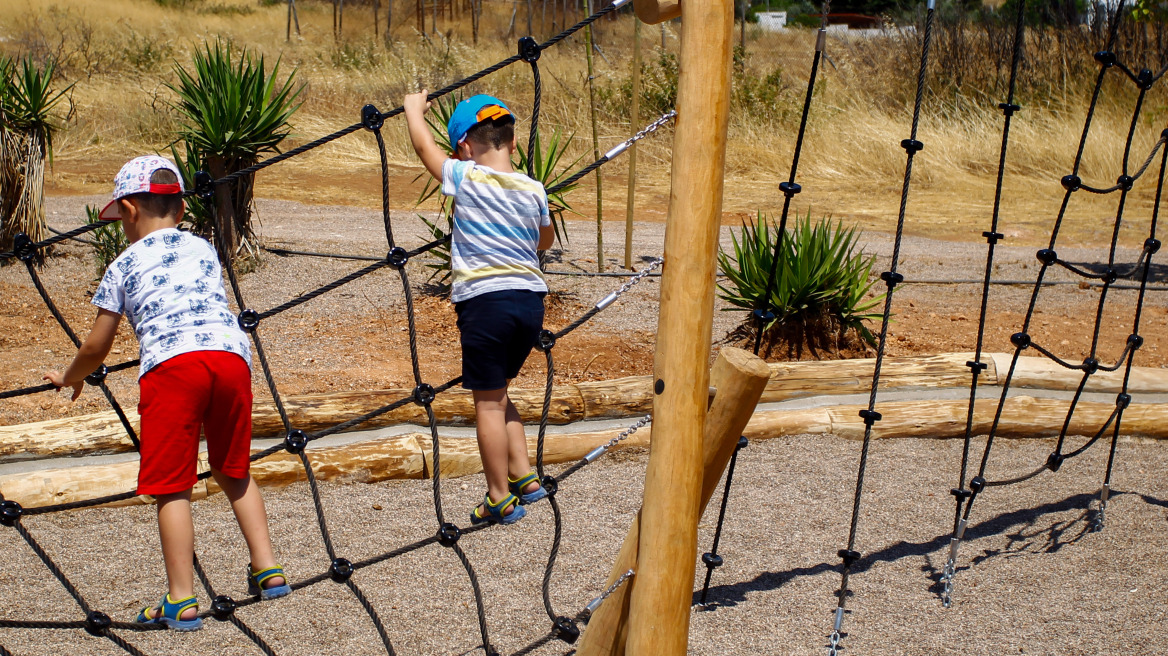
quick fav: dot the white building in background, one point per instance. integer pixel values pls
(772, 21)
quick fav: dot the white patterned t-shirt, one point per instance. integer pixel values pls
(497, 217)
(168, 284)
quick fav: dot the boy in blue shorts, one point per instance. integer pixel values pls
(500, 221)
(194, 374)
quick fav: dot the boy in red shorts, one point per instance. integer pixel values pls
(194, 373)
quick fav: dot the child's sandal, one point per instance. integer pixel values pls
(495, 511)
(517, 488)
(256, 581)
(170, 614)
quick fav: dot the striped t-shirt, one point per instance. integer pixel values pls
(497, 217)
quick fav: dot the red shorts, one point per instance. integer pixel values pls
(202, 389)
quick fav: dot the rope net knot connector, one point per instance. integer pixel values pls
(10, 512)
(371, 118)
(1090, 366)
(23, 247)
(340, 570)
(98, 376)
(295, 441)
(1020, 340)
(1071, 182)
(1151, 245)
(711, 560)
(892, 278)
(546, 341)
(249, 320)
(397, 257)
(1125, 182)
(448, 535)
(870, 417)
(529, 50)
(993, 237)
(789, 189)
(1009, 109)
(424, 394)
(223, 607)
(565, 629)
(1054, 461)
(912, 146)
(1145, 79)
(1106, 58)
(1047, 256)
(97, 623)
(204, 185)
(977, 484)
(1122, 401)
(849, 556)
(551, 485)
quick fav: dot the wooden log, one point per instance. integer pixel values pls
(400, 457)
(740, 378)
(659, 602)
(102, 433)
(409, 456)
(657, 11)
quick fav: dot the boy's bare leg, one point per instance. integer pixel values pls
(248, 506)
(176, 531)
(518, 464)
(492, 433)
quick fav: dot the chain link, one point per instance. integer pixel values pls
(1098, 520)
(834, 649)
(619, 582)
(947, 583)
(643, 421)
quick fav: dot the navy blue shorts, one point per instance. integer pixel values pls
(498, 331)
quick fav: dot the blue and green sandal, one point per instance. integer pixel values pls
(256, 581)
(518, 485)
(495, 511)
(170, 614)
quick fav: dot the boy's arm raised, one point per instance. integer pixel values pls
(90, 355)
(432, 157)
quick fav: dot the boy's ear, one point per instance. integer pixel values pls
(128, 209)
(181, 211)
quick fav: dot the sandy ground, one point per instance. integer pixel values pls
(1032, 579)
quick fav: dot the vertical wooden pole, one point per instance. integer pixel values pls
(288, 34)
(742, 36)
(659, 606)
(595, 150)
(433, 16)
(295, 16)
(341, 18)
(376, 18)
(635, 120)
(740, 378)
(335, 19)
(388, 20)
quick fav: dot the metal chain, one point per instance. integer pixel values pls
(595, 603)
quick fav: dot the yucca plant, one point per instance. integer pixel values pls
(232, 110)
(108, 241)
(28, 122)
(546, 170)
(821, 285)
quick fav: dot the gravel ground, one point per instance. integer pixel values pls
(1032, 579)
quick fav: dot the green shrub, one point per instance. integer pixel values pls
(820, 284)
(108, 241)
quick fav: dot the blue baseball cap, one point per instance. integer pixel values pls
(471, 112)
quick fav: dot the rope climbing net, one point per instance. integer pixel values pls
(1144, 80)
(296, 441)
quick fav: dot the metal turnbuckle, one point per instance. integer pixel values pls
(1098, 521)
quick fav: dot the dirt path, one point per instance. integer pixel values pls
(356, 337)
(1031, 581)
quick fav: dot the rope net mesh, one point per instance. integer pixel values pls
(296, 441)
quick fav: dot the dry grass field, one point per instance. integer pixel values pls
(121, 54)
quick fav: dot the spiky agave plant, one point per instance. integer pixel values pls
(232, 110)
(28, 122)
(821, 282)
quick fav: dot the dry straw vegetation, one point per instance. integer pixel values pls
(121, 55)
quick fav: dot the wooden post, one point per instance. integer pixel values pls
(388, 20)
(659, 607)
(341, 18)
(588, 44)
(740, 378)
(635, 121)
(377, 18)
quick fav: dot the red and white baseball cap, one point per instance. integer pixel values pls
(134, 178)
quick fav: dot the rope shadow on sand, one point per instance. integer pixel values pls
(1022, 527)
